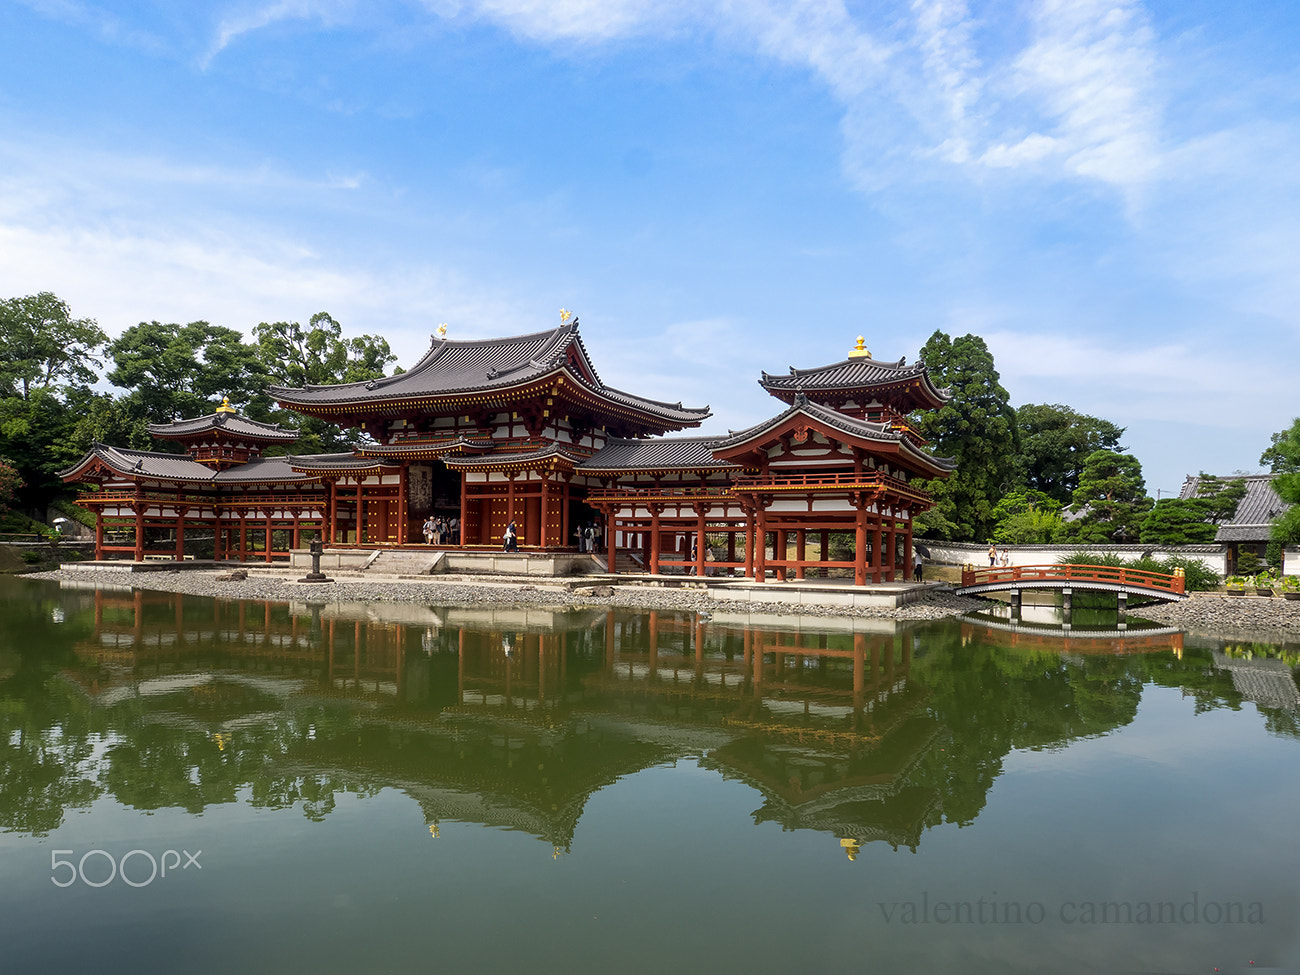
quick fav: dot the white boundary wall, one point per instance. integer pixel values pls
(1214, 557)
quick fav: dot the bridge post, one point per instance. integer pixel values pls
(1122, 606)
(1015, 603)
(1067, 606)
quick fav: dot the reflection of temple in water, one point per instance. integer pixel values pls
(514, 717)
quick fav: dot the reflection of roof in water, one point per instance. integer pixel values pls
(861, 794)
(1265, 681)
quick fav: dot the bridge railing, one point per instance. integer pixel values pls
(1115, 575)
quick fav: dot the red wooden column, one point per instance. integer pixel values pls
(243, 534)
(139, 525)
(907, 548)
(564, 510)
(826, 553)
(268, 535)
(749, 542)
(544, 506)
(403, 519)
(464, 508)
(510, 500)
(877, 555)
(655, 509)
(800, 551)
(332, 535)
(760, 541)
(361, 510)
(699, 540)
(611, 538)
(180, 533)
(860, 543)
(99, 540)
(891, 547)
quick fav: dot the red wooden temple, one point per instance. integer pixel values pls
(522, 430)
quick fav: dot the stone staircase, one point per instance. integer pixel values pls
(397, 563)
(627, 563)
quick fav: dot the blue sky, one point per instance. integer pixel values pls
(1105, 191)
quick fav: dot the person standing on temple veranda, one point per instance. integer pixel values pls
(428, 530)
(918, 567)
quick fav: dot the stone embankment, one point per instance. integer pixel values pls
(1212, 611)
(934, 605)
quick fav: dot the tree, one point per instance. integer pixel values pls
(178, 371)
(1194, 521)
(42, 347)
(1177, 521)
(1027, 517)
(1112, 493)
(10, 482)
(977, 428)
(295, 356)
(1283, 455)
(316, 355)
(1054, 441)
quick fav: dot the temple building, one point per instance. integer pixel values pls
(522, 431)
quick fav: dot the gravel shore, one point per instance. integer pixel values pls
(935, 605)
(1213, 611)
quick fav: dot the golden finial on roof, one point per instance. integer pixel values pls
(442, 330)
(225, 406)
(851, 847)
(860, 351)
(565, 315)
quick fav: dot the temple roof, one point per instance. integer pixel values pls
(860, 373)
(668, 453)
(486, 365)
(526, 458)
(1253, 520)
(843, 423)
(152, 464)
(227, 422)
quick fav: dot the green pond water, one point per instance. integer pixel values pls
(196, 785)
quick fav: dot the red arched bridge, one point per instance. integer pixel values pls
(1067, 578)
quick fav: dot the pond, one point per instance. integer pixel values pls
(199, 785)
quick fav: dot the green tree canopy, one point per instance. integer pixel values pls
(175, 371)
(1177, 521)
(1112, 493)
(318, 354)
(42, 347)
(977, 428)
(1054, 442)
(1283, 455)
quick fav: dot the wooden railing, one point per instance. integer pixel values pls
(205, 500)
(867, 480)
(1115, 575)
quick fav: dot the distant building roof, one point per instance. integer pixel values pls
(1256, 513)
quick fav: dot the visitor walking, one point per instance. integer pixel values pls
(993, 556)
(428, 530)
(918, 567)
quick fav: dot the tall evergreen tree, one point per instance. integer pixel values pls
(1112, 495)
(1283, 455)
(1054, 442)
(977, 428)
